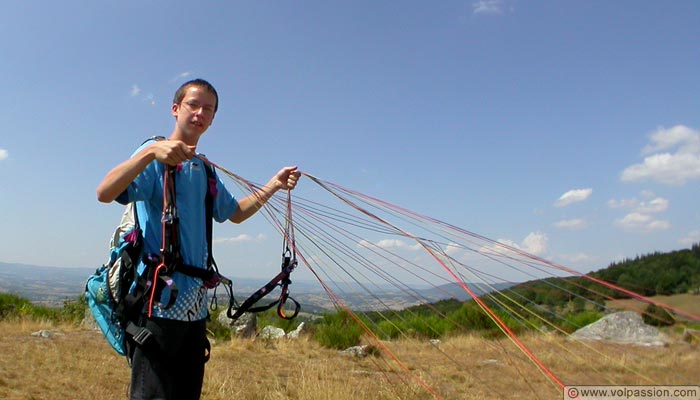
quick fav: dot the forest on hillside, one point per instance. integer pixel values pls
(570, 302)
(675, 272)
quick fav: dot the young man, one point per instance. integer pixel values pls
(171, 365)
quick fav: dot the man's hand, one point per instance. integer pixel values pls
(172, 152)
(287, 178)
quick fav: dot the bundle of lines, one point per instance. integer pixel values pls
(440, 309)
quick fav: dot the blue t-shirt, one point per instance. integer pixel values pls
(191, 185)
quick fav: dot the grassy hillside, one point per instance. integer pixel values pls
(77, 364)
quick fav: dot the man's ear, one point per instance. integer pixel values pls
(175, 109)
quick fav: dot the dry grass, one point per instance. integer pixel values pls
(690, 303)
(78, 364)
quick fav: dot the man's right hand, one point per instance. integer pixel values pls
(172, 152)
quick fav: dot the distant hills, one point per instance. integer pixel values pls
(52, 286)
(668, 273)
(43, 285)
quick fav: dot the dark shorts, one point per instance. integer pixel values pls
(170, 366)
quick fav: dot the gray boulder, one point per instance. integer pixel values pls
(626, 327)
(297, 332)
(357, 351)
(272, 333)
(245, 326)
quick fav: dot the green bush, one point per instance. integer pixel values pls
(338, 331)
(657, 316)
(575, 321)
(13, 306)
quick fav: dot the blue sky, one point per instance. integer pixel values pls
(568, 129)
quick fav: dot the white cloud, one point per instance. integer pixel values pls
(693, 237)
(182, 76)
(137, 92)
(672, 157)
(487, 7)
(578, 258)
(390, 244)
(453, 249)
(397, 244)
(571, 224)
(624, 203)
(682, 136)
(534, 243)
(653, 202)
(641, 223)
(573, 196)
(642, 215)
(242, 238)
(655, 206)
(3, 154)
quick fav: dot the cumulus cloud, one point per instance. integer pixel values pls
(534, 243)
(642, 216)
(453, 249)
(3, 154)
(578, 258)
(242, 238)
(624, 203)
(390, 244)
(138, 93)
(182, 76)
(397, 244)
(672, 157)
(571, 224)
(573, 196)
(655, 206)
(487, 7)
(693, 237)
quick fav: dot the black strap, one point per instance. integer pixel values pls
(171, 258)
(282, 279)
(209, 207)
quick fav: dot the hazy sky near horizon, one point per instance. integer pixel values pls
(568, 129)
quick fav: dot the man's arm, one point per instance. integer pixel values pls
(171, 152)
(285, 179)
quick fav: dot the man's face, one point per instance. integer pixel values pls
(195, 112)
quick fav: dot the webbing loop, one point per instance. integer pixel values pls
(289, 263)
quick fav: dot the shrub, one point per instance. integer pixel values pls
(338, 331)
(575, 321)
(657, 316)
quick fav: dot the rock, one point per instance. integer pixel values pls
(272, 333)
(625, 327)
(691, 336)
(357, 351)
(88, 321)
(245, 326)
(44, 334)
(297, 332)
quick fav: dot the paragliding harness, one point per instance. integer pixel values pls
(119, 297)
(289, 263)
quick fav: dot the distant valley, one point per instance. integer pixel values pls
(52, 286)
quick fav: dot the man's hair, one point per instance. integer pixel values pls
(180, 94)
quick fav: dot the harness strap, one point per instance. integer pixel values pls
(282, 279)
(171, 259)
(289, 262)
